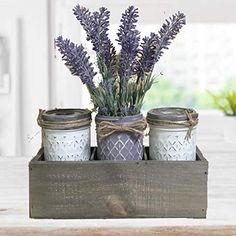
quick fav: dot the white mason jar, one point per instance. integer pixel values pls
(172, 135)
(65, 134)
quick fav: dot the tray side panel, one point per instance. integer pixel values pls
(118, 190)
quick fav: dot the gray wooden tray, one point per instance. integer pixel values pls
(117, 189)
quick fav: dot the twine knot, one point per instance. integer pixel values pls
(190, 123)
(106, 128)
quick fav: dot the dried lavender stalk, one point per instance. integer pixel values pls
(118, 94)
(96, 26)
(76, 60)
(153, 46)
(128, 38)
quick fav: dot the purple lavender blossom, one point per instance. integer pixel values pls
(128, 38)
(147, 55)
(128, 22)
(168, 32)
(76, 60)
(117, 93)
(83, 15)
(152, 47)
(96, 25)
(129, 51)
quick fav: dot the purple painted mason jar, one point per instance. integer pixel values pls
(120, 145)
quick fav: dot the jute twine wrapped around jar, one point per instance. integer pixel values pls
(106, 128)
(190, 123)
(172, 134)
(65, 134)
(61, 125)
(120, 137)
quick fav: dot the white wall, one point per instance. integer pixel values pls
(29, 75)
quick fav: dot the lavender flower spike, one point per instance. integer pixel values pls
(128, 22)
(153, 46)
(76, 60)
(96, 27)
(128, 54)
(128, 38)
(147, 56)
(168, 32)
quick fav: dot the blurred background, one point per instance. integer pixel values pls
(202, 59)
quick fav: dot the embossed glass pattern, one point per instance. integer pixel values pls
(65, 134)
(171, 144)
(172, 135)
(120, 145)
(67, 145)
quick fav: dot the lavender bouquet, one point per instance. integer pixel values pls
(125, 76)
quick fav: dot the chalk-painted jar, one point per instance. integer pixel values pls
(120, 138)
(65, 134)
(172, 135)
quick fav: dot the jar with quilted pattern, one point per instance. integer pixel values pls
(65, 134)
(122, 139)
(172, 134)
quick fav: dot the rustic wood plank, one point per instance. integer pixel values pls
(108, 189)
(221, 199)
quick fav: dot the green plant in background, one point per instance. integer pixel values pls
(167, 93)
(225, 101)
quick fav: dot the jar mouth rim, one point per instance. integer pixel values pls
(67, 114)
(119, 119)
(171, 114)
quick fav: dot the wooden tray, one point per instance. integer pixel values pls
(117, 189)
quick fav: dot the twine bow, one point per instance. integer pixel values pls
(61, 125)
(106, 128)
(190, 123)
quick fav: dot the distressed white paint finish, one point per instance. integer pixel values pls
(67, 145)
(172, 144)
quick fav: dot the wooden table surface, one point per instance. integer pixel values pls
(221, 213)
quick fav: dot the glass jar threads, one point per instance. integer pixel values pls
(172, 134)
(65, 134)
